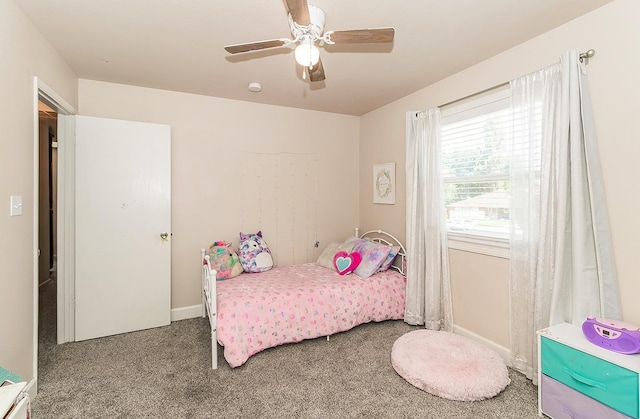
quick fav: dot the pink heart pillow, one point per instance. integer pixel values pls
(345, 263)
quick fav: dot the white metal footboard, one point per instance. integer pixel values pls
(209, 304)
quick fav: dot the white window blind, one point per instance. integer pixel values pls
(476, 151)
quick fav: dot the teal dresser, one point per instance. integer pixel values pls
(579, 380)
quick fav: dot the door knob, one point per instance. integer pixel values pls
(164, 236)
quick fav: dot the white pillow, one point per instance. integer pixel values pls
(326, 258)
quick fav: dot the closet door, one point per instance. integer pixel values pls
(123, 226)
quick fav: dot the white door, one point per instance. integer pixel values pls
(123, 226)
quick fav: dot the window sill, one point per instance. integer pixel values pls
(490, 246)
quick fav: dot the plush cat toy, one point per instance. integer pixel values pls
(224, 259)
(255, 255)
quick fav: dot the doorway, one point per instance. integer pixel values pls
(56, 229)
(47, 226)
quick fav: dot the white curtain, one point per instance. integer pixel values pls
(562, 266)
(428, 296)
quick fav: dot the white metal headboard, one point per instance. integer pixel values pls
(381, 236)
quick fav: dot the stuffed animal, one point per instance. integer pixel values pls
(255, 255)
(224, 259)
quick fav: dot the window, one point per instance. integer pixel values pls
(476, 149)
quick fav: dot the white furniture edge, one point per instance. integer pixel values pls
(10, 396)
(209, 303)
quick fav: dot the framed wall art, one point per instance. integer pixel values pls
(384, 183)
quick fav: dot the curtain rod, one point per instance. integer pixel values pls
(584, 56)
(471, 95)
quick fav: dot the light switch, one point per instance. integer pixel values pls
(16, 206)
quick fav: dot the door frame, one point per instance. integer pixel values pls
(65, 215)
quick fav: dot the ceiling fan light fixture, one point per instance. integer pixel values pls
(306, 53)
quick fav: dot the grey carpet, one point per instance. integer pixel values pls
(165, 373)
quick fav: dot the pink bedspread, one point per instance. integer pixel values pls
(287, 304)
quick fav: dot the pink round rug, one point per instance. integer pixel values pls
(449, 366)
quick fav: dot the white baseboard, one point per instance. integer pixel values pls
(505, 353)
(183, 313)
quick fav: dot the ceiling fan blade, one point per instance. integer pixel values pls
(252, 46)
(360, 36)
(299, 10)
(316, 73)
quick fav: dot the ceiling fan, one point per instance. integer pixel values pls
(307, 28)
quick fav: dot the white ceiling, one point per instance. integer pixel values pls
(178, 44)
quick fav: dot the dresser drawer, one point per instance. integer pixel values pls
(605, 382)
(561, 402)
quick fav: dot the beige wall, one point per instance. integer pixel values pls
(478, 280)
(25, 54)
(214, 147)
(613, 31)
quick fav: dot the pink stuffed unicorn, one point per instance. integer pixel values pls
(224, 259)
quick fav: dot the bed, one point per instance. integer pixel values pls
(287, 304)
